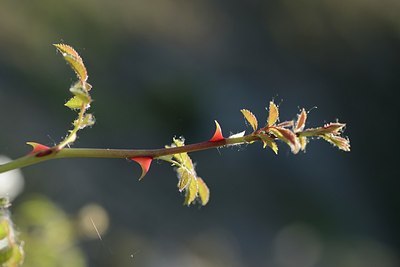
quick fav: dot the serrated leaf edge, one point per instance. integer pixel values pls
(250, 118)
(273, 115)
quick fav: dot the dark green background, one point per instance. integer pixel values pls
(168, 68)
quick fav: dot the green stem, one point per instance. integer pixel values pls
(32, 159)
(72, 135)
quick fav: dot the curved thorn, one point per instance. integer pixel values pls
(144, 163)
(36, 148)
(218, 133)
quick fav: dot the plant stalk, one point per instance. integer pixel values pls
(32, 159)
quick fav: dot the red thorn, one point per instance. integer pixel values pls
(39, 149)
(218, 133)
(144, 163)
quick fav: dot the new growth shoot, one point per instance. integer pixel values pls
(294, 133)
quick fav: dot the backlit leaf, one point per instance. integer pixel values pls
(167, 158)
(87, 86)
(274, 147)
(251, 119)
(182, 158)
(81, 93)
(334, 127)
(329, 128)
(193, 186)
(74, 103)
(185, 176)
(285, 124)
(301, 121)
(204, 192)
(269, 142)
(75, 61)
(303, 142)
(273, 114)
(88, 120)
(191, 192)
(288, 137)
(340, 142)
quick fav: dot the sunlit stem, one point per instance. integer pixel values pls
(32, 159)
(72, 134)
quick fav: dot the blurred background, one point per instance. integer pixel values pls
(165, 68)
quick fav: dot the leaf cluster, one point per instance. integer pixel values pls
(11, 249)
(293, 132)
(80, 90)
(194, 187)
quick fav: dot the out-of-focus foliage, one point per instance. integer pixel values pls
(11, 183)
(306, 24)
(11, 249)
(49, 235)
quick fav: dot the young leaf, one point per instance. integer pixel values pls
(74, 103)
(340, 142)
(194, 187)
(288, 137)
(252, 120)
(144, 163)
(184, 179)
(330, 128)
(303, 142)
(268, 141)
(301, 121)
(79, 91)
(285, 124)
(88, 120)
(191, 192)
(185, 176)
(204, 192)
(217, 134)
(182, 158)
(334, 127)
(74, 60)
(273, 113)
(87, 87)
